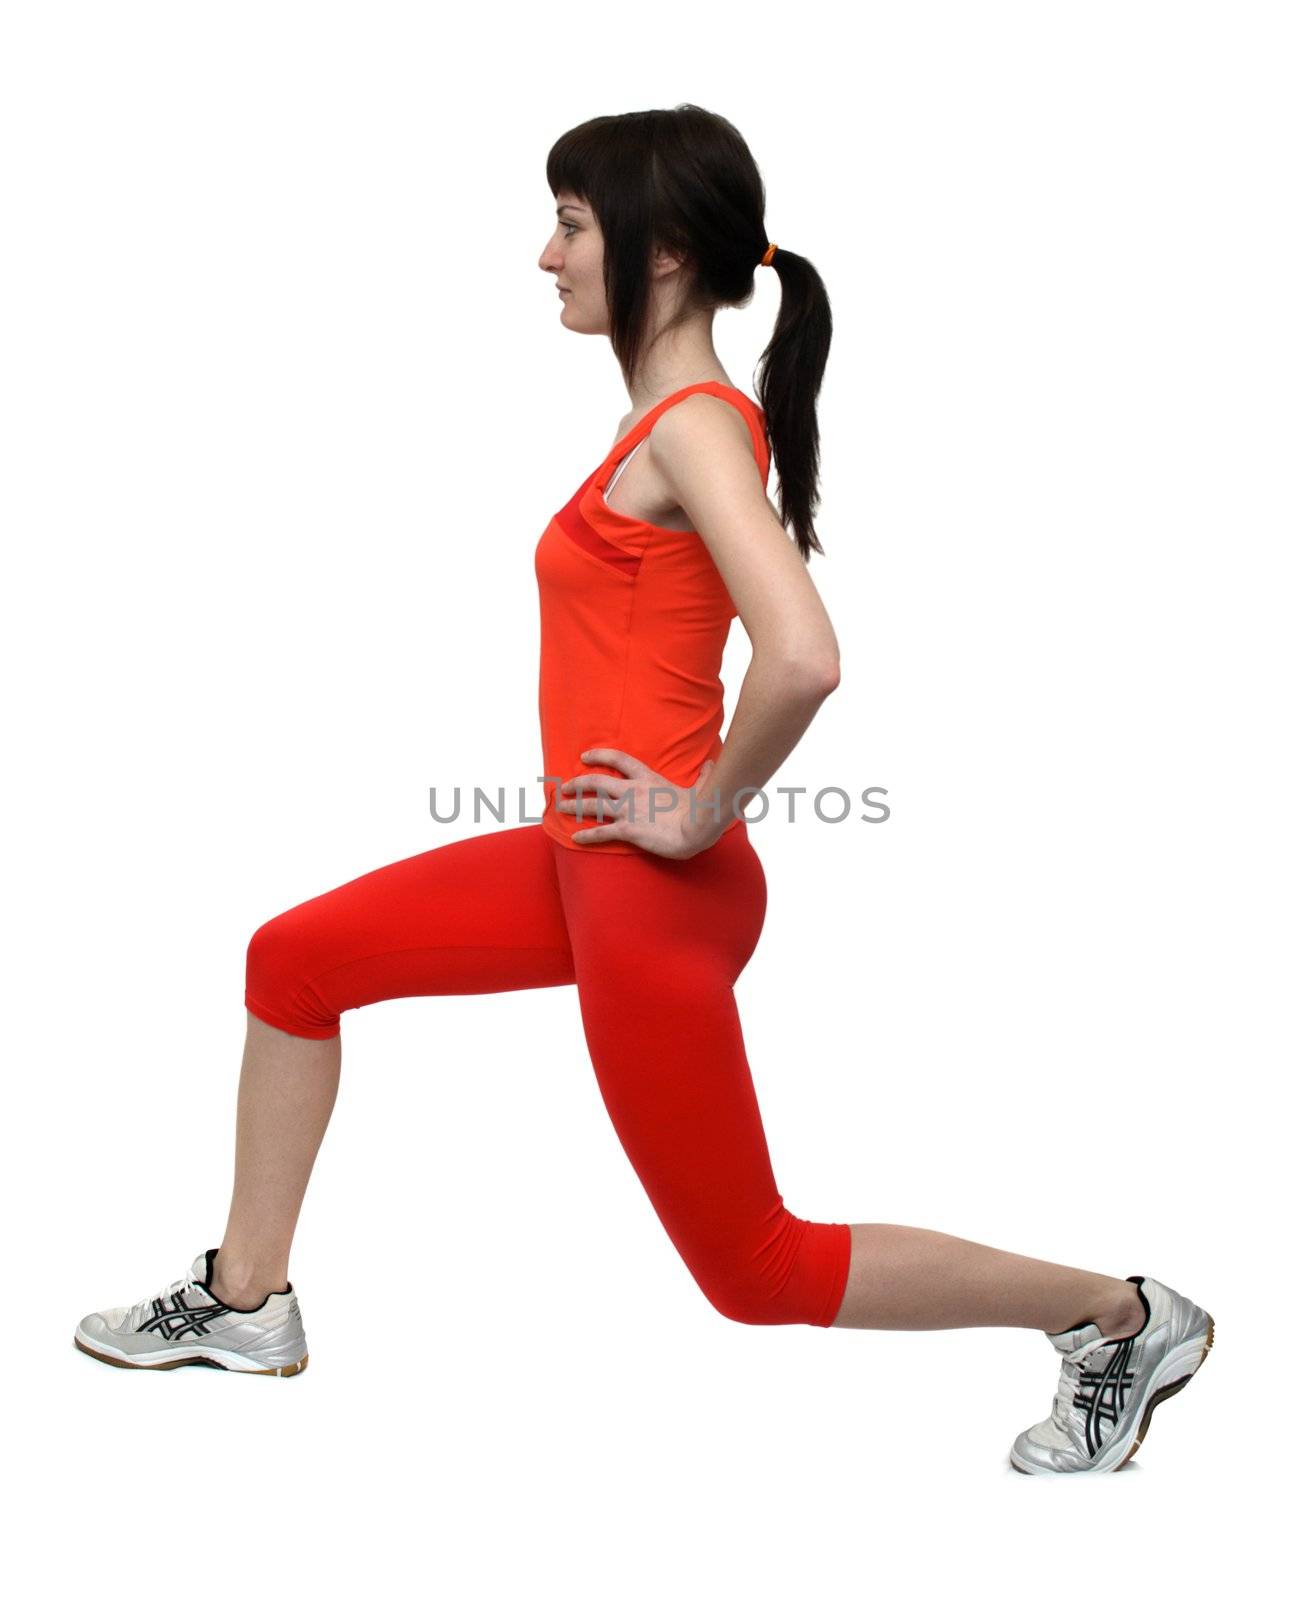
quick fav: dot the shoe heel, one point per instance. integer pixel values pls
(283, 1372)
(1165, 1393)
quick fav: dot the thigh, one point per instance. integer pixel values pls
(476, 916)
(657, 947)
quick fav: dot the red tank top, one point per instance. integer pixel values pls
(634, 619)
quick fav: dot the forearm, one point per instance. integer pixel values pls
(775, 707)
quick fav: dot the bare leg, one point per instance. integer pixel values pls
(285, 1097)
(918, 1278)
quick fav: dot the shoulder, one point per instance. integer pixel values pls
(701, 426)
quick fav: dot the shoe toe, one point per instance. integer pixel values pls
(95, 1325)
(1042, 1448)
(111, 1324)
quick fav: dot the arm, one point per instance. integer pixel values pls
(702, 449)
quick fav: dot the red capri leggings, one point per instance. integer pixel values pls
(654, 946)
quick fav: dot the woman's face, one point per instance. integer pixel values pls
(574, 256)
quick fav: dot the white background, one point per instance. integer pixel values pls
(287, 403)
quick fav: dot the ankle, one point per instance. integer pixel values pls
(1124, 1313)
(244, 1285)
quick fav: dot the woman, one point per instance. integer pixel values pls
(659, 223)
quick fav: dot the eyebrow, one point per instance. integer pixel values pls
(579, 209)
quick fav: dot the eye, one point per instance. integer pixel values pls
(570, 228)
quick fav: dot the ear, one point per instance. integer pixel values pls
(663, 263)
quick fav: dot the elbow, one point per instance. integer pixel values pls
(816, 677)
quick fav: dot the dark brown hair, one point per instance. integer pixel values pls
(684, 180)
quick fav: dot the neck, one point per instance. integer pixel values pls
(678, 358)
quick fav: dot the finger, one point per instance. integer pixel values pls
(629, 765)
(610, 830)
(613, 795)
(606, 782)
(581, 806)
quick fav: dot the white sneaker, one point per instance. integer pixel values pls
(1108, 1387)
(188, 1325)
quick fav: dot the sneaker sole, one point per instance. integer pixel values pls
(1164, 1393)
(193, 1361)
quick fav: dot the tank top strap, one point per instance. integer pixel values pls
(751, 412)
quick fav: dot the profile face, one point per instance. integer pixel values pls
(575, 256)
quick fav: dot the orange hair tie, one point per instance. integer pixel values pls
(768, 257)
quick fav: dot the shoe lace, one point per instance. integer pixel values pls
(146, 1304)
(1074, 1369)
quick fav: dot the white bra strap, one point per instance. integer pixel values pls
(605, 495)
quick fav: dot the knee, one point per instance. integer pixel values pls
(740, 1300)
(280, 972)
(794, 1272)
